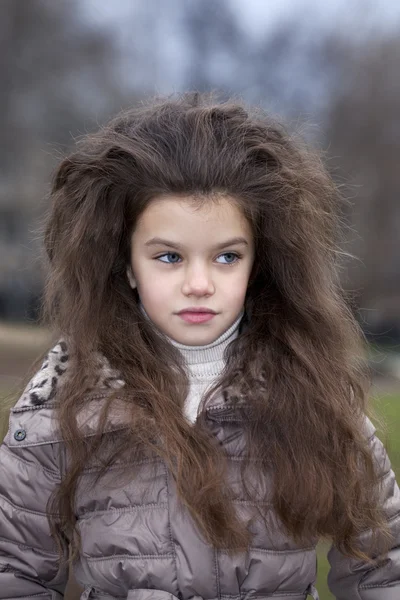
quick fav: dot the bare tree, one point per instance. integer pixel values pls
(364, 140)
(57, 79)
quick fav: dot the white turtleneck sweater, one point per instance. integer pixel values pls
(204, 364)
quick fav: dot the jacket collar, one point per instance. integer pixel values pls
(41, 389)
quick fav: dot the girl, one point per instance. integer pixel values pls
(201, 422)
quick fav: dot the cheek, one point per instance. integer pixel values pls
(235, 289)
(153, 290)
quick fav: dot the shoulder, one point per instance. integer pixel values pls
(368, 429)
(30, 420)
(33, 419)
(42, 388)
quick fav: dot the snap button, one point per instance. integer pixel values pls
(20, 435)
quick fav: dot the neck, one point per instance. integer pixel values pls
(207, 362)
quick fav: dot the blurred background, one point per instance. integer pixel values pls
(330, 68)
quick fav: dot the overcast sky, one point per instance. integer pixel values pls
(166, 61)
(259, 14)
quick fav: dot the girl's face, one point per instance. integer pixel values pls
(185, 258)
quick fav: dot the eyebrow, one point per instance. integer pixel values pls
(156, 241)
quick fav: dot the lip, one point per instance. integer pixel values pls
(197, 309)
(197, 315)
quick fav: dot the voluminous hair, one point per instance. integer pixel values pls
(298, 361)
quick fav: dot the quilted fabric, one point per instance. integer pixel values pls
(138, 541)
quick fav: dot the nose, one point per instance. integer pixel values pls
(198, 281)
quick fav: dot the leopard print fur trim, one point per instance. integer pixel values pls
(43, 386)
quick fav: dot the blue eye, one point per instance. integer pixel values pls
(174, 256)
(231, 258)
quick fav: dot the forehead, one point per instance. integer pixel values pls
(189, 219)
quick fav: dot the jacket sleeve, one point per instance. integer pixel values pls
(351, 579)
(29, 563)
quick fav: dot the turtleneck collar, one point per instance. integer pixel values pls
(205, 362)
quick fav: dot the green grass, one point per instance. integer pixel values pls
(7, 400)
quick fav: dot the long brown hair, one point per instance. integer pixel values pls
(303, 348)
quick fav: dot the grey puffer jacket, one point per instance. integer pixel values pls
(138, 542)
